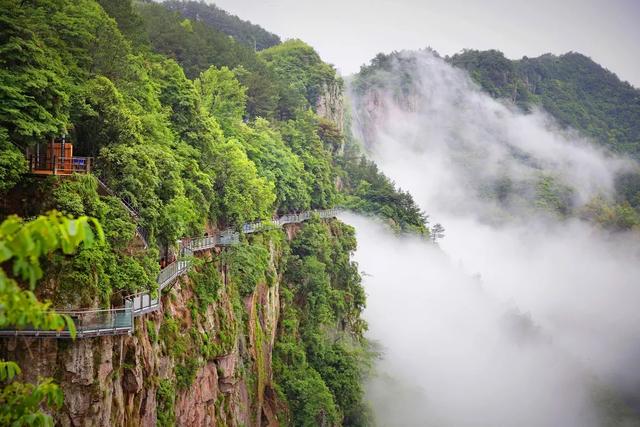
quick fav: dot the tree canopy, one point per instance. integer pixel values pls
(195, 131)
(21, 245)
(245, 32)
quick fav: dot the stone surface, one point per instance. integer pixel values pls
(196, 407)
(112, 381)
(330, 104)
(80, 364)
(227, 365)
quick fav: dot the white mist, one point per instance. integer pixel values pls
(518, 319)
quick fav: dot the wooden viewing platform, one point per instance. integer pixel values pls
(43, 165)
(56, 158)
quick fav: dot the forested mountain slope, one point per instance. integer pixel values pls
(524, 199)
(577, 91)
(242, 31)
(583, 99)
(580, 94)
(196, 132)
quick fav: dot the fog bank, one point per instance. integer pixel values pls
(520, 317)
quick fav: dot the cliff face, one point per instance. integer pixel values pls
(330, 104)
(377, 106)
(201, 360)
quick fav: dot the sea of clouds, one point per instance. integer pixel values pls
(518, 318)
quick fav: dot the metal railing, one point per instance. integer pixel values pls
(88, 323)
(170, 273)
(200, 243)
(228, 238)
(133, 212)
(144, 235)
(54, 165)
(119, 321)
(124, 201)
(142, 303)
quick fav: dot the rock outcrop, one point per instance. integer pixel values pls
(330, 104)
(195, 366)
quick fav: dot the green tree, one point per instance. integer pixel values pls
(251, 35)
(22, 244)
(242, 195)
(12, 163)
(318, 351)
(102, 117)
(278, 164)
(300, 68)
(301, 136)
(574, 89)
(437, 232)
(33, 86)
(129, 22)
(222, 96)
(369, 191)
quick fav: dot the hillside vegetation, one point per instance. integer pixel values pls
(245, 32)
(197, 132)
(578, 93)
(574, 89)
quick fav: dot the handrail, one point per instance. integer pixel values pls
(127, 205)
(133, 212)
(59, 165)
(119, 321)
(88, 323)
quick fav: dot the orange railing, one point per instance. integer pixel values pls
(46, 165)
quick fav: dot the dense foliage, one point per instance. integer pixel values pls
(302, 72)
(371, 192)
(196, 130)
(574, 89)
(21, 246)
(579, 94)
(106, 271)
(244, 32)
(397, 75)
(196, 46)
(180, 151)
(12, 163)
(193, 130)
(320, 357)
(590, 87)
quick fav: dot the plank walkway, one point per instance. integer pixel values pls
(120, 321)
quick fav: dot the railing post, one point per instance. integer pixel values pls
(77, 320)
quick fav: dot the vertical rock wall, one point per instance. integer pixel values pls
(110, 381)
(330, 104)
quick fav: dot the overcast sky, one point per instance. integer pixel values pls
(348, 33)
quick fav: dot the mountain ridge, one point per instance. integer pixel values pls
(245, 32)
(576, 90)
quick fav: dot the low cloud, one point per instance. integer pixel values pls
(519, 318)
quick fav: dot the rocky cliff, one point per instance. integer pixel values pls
(330, 103)
(204, 359)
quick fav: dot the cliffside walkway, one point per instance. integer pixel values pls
(120, 321)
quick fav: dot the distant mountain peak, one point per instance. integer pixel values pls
(242, 31)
